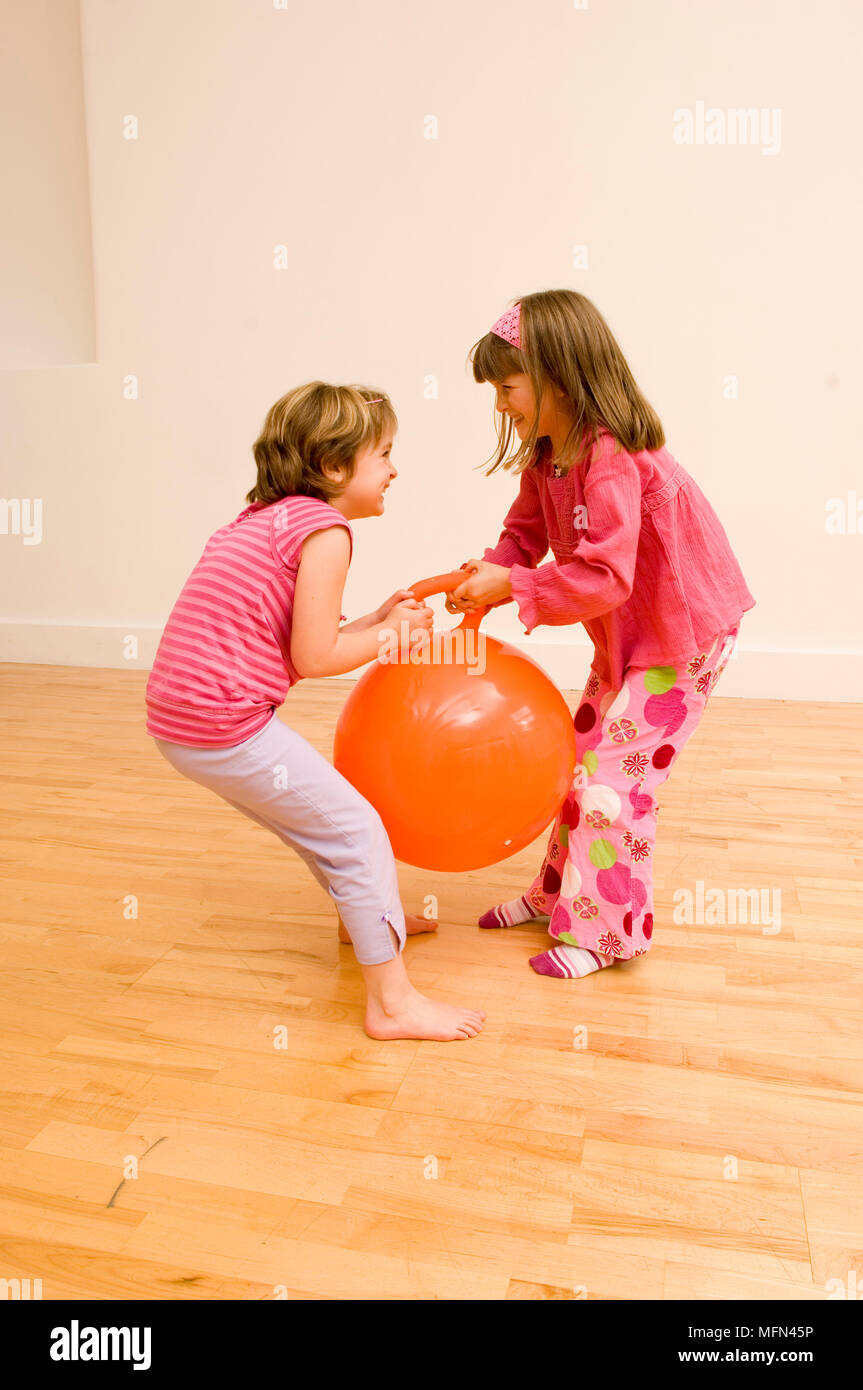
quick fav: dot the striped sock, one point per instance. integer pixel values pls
(569, 962)
(510, 914)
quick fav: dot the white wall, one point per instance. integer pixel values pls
(47, 308)
(304, 126)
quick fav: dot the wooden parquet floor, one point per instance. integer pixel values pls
(687, 1125)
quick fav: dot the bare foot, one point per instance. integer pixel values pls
(419, 1017)
(413, 927)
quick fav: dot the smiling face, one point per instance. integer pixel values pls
(374, 471)
(514, 396)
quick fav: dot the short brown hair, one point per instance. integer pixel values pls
(566, 342)
(312, 425)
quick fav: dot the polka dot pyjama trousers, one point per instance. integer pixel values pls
(596, 880)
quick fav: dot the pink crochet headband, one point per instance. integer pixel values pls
(508, 326)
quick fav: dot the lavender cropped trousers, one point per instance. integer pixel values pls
(278, 780)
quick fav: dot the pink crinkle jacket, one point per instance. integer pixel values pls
(640, 557)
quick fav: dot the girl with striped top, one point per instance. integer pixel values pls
(261, 610)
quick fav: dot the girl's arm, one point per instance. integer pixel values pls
(524, 539)
(362, 624)
(377, 617)
(318, 646)
(600, 575)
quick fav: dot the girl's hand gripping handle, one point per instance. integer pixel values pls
(444, 584)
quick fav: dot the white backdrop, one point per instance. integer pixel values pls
(210, 201)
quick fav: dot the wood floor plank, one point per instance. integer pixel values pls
(687, 1125)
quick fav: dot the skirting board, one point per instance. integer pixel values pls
(752, 673)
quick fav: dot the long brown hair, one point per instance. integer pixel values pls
(311, 425)
(567, 343)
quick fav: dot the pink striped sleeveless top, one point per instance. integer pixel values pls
(223, 664)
